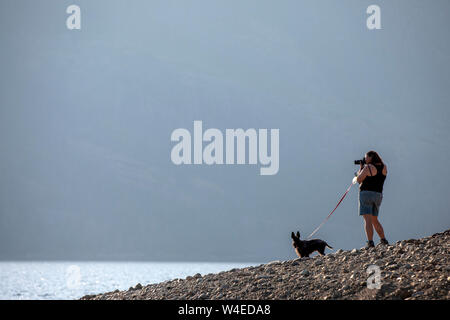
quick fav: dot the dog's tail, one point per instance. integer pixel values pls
(328, 245)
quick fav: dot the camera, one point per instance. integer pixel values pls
(362, 161)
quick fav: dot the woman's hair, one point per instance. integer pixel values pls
(375, 157)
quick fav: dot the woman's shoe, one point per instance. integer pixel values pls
(370, 244)
(384, 241)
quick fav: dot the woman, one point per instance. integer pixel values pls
(371, 178)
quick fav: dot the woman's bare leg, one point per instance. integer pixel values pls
(368, 226)
(377, 225)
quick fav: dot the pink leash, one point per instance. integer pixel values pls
(320, 226)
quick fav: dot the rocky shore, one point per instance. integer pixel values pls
(410, 269)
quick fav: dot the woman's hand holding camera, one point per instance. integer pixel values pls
(361, 167)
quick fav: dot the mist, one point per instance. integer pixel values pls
(86, 118)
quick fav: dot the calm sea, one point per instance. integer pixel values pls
(72, 280)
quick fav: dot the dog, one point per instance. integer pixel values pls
(303, 248)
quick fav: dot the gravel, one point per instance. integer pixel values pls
(414, 269)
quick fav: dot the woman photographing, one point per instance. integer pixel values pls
(371, 176)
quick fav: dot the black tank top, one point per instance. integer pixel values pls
(374, 183)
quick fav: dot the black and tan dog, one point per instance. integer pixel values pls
(304, 248)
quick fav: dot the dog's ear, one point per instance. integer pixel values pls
(293, 235)
(298, 234)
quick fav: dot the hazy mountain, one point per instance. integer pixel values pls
(86, 117)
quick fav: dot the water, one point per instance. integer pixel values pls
(72, 280)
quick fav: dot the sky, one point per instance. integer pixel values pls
(86, 118)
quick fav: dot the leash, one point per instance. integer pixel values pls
(342, 198)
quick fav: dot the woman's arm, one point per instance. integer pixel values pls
(362, 174)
